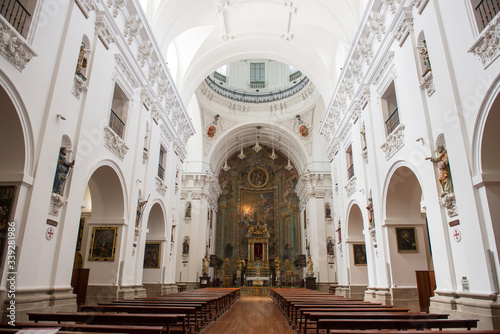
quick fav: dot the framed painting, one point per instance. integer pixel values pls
(407, 240)
(301, 261)
(152, 254)
(359, 254)
(103, 243)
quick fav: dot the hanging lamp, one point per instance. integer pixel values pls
(226, 167)
(257, 146)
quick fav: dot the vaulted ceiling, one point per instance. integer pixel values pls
(198, 36)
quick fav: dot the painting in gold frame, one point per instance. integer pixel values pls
(152, 254)
(103, 243)
(359, 254)
(407, 240)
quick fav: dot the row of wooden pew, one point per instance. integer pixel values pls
(186, 312)
(309, 311)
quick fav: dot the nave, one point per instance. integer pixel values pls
(251, 315)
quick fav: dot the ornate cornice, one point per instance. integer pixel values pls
(132, 28)
(103, 30)
(404, 27)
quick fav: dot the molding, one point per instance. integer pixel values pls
(427, 84)
(56, 203)
(394, 142)
(350, 187)
(103, 30)
(114, 143)
(79, 85)
(160, 186)
(13, 46)
(420, 5)
(404, 27)
(487, 46)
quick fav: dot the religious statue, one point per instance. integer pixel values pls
(185, 247)
(204, 269)
(140, 208)
(363, 137)
(277, 263)
(188, 210)
(425, 58)
(444, 169)
(82, 62)
(62, 170)
(310, 264)
(371, 219)
(241, 264)
(328, 211)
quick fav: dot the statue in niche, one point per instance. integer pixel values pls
(329, 247)
(188, 210)
(444, 169)
(62, 170)
(82, 62)
(328, 211)
(204, 268)
(185, 247)
(425, 58)
(371, 219)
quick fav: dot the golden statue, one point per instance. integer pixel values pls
(277, 263)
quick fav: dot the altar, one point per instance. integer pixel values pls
(257, 281)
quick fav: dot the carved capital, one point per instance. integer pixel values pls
(103, 31)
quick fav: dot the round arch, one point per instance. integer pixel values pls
(109, 173)
(13, 107)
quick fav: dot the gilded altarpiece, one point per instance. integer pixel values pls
(258, 190)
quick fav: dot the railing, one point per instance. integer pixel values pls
(392, 122)
(350, 172)
(295, 75)
(15, 13)
(257, 84)
(116, 124)
(161, 171)
(487, 10)
(220, 77)
(251, 98)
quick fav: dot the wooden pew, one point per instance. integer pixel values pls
(191, 312)
(313, 317)
(300, 318)
(90, 328)
(399, 324)
(165, 320)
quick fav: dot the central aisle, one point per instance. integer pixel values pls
(249, 315)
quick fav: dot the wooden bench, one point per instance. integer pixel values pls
(399, 324)
(89, 328)
(313, 317)
(191, 312)
(165, 320)
(300, 319)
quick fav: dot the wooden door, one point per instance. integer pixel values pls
(426, 284)
(80, 282)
